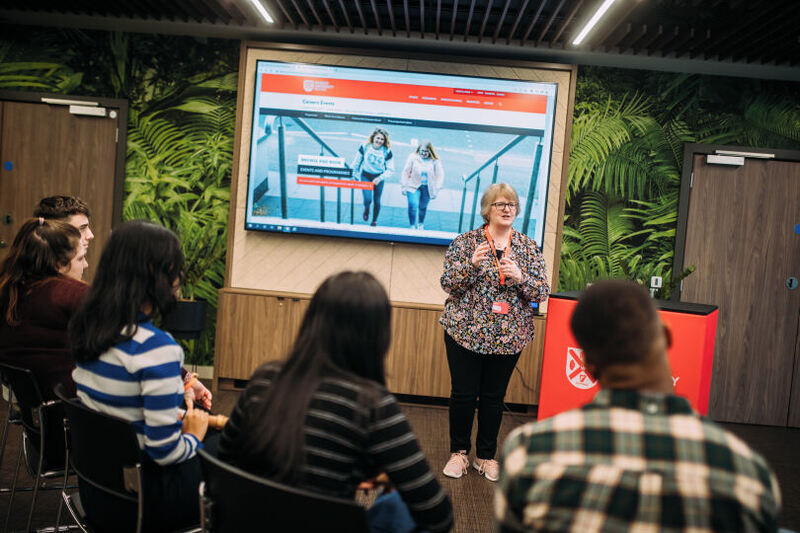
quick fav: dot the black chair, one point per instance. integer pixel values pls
(114, 469)
(232, 501)
(41, 444)
(13, 418)
(103, 450)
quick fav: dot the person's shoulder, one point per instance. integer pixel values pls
(471, 235)
(727, 442)
(64, 283)
(62, 289)
(149, 337)
(524, 240)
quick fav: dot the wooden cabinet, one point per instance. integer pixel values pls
(259, 326)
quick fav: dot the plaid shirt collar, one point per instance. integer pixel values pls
(650, 403)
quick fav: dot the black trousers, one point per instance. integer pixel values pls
(482, 380)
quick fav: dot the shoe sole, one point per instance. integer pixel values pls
(462, 474)
(483, 473)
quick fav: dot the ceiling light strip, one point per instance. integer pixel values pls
(262, 11)
(592, 21)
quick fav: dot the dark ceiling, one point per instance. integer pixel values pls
(740, 37)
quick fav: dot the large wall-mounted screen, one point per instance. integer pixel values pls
(393, 155)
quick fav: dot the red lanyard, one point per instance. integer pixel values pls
(494, 252)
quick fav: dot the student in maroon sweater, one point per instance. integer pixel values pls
(75, 212)
(40, 289)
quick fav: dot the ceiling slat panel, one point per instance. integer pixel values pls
(453, 20)
(469, 19)
(377, 17)
(314, 12)
(517, 20)
(567, 21)
(486, 13)
(711, 31)
(550, 20)
(332, 18)
(361, 16)
(286, 13)
(533, 21)
(346, 17)
(500, 22)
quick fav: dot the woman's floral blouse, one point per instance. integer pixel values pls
(467, 315)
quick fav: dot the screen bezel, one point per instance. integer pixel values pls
(548, 133)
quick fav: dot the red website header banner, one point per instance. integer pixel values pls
(406, 93)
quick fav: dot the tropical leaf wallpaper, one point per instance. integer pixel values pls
(182, 98)
(625, 155)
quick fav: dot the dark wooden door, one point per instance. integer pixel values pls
(45, 150)
(740, 237)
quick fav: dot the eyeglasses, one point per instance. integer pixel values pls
(502, 206)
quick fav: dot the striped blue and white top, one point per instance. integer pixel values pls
(140, 381)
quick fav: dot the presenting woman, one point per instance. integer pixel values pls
(492, 275)
(40, 290)
(374, 162)
(421, 181)
(323, 419)
(129, 368)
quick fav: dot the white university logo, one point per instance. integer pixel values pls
(576, 372)
(308, 85)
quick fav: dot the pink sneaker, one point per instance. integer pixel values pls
(488, 468)
(457, 465)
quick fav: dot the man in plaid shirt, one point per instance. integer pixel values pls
(637, 458)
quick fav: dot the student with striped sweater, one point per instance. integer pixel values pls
(129, 368)
(324, 421)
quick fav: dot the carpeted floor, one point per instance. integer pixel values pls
(471, 495)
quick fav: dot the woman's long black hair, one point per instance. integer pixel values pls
(345, 333)
(139, 265)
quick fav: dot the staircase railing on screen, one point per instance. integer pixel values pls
(282, 171)
(476, 176)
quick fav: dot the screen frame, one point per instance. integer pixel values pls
(251, 252)
(546, 133)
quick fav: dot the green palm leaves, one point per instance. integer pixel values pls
(35, 75)
(622, 194)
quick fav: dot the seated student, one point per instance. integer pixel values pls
(69, 209)
(75, 212)
(129, 368)
(324, 421)
(40, 290)
(638, 457)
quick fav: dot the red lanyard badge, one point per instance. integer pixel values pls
(494, 252)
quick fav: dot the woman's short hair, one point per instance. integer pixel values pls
(429, 147)
(492, 193)
(40, 250)
(139, 265)
(383, 132)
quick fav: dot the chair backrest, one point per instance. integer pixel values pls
(237, 501)
(103, 449)
(41, 421)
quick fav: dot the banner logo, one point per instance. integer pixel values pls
(576, 372)
(308, 85)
